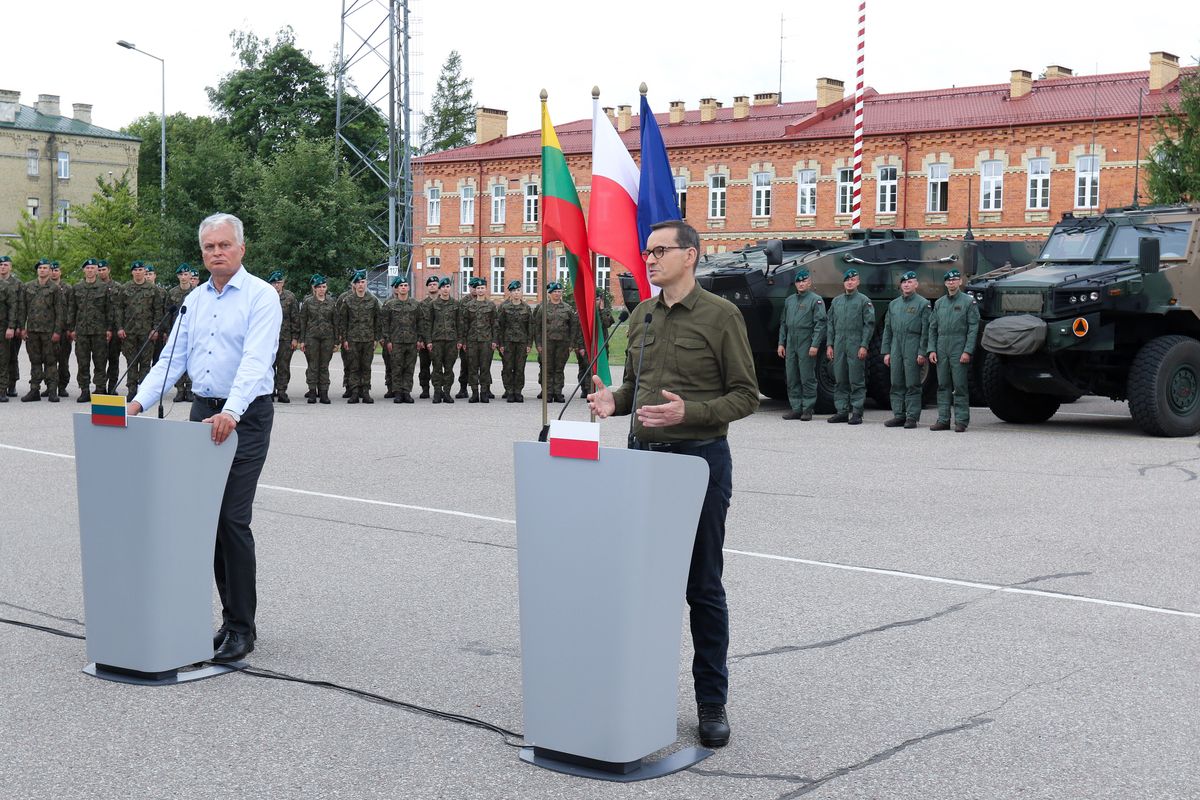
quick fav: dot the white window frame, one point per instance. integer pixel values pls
(466, 271)
(603, 271)
(845, 190)
(1087, 182)
(529, 284)
(1037, 192)
(718, 185)
(33, 163)
(531, 203)
(498, 193)
(433, 207)
(762, 194)
(433, 263)
(64, 212)
(64, 165)
(466, 206)
(497, 274)
(937, 199)
(806, 193)
(562, 272)
(32, 205)
(681, 187)
(991, 185)
(887, 189)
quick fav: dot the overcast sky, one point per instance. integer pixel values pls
(683, 51)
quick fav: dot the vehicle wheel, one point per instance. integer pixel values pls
(929, 386)
(976, 389)
(825, 385)
(773, 387)
(879, 376)
(1164, 386)
(1009, 403)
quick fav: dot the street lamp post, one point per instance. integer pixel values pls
(163, 148)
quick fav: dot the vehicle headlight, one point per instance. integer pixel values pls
(1094, 296)
(1073, 299)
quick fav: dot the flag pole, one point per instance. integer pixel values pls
(856, 207)
(542, 371)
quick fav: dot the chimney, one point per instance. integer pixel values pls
(490, 123)
(677, 111)
(741, 107)
(829, 91)
(1057, 71)
(611, 113)
(624, 118)
(1164, 69)
(1020, 84)
(708, 109)
(10, 103)
(766, 99)
(47, 104)
(83, 112)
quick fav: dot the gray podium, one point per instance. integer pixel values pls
(149, 497)
(601, 599)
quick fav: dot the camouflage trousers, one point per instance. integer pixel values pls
(283, 365)
(425, 357)
(358, 365)
(463, 371)
(13, 346)
(318, 352)
(554, 360)
(442, 376)
(43, 364)
(404, 359)
(4, 358)
(62, 354)
(513, 371)
(387, 369)
(136, 366)
(91, 351)
(113, 370)
(479, 365)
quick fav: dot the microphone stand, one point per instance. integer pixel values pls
(592, 365)
(637, 380)
(130, 362)
(170, 355)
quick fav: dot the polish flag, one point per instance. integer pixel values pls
(570, 439)
(612, 212)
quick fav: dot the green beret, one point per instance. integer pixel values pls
(55, 265)
(103, 263)
(195, 271)
(359, 275)
(91, 262)
(137, 265)
(276, 275)
(5, 259)
(951, 273)
(801, 274)
(850, 273)
(554, 286)
(514, 285)
(477, 282)
(183, 268)
(398, 280)
(443, 282)
(318, 280)
(434, 279)
(42, 261)
(908, 276)
(149, 267)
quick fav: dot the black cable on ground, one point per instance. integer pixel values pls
(41, 628)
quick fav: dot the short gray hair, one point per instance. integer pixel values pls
(216, 221)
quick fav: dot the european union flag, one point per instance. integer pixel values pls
(657, 201)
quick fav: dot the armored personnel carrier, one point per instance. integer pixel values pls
(1110, 307)
(760, 278)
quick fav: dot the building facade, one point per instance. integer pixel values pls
(49, 163)
(1008, 159)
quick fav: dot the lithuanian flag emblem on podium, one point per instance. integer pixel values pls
(108, 409)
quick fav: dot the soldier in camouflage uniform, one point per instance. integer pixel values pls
(343, 354)
(14, 292)
(45, 318)
(801, 332)
(401, 329)
(583, 373)
(112, 370)
(479, 335)
(359, 327)
(152, 279)
(318, 337)
(139, 309)
(175, 297)
(424, 351)
(440, 329)
(89, 320)
(289, 335)
(62, 350)
(905, 331)
(463, 366)
(553, 353)
(849, 325)
(953, 331)
(514, 334)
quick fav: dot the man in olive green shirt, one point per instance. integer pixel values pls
(851, 322)
(695, 357)
(953, 329)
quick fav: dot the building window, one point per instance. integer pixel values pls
(1087, 182)
(716, 197)
(64, 212)
(845, 190)
(681, 195)
(466, 206)
(433, 215)
(886, 180)
(530, 275)
(991, 186)
(939, 188)
(435, 263)
(603, 273)
(762, 194)
(31, 205)
(497, 274)
(64, 164)
(32, 163)
(531, 203)
(562, 273)
(806, 193)
(466, 271)
(1039, 183)
(497, 205)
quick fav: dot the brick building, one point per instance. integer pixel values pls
(49, 163)
(1013, 156)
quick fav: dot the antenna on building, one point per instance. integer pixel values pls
(781, 56)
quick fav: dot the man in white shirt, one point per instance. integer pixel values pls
(225, 338)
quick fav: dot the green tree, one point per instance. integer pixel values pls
(1173, 174)
(451, 119)
(110, 226)
(36, 239)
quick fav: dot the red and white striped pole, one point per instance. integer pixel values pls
(856, 202)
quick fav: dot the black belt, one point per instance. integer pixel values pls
(217, 402)
(674, 447)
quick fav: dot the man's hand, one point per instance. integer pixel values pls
(54, 337)
(108, 336)
(965, 358)
(9, 333)
(933, 358)
(303, 347)
(71, 335)
(601, 401)
(663, 415)
(389, 347)
(829, 353)
(862, 353)
(133, 409)
(154, 336)
(781, 351)
(812, 352)
(920, 360)
(462, 346)
(887, 360)
(121, 334)
(295, 344)
(223, 425)
(345, 345)
(501, 349)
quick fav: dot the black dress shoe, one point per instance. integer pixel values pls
(236, 647)
(219, 637)
(714, 725)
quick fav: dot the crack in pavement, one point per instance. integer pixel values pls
(1144, 469)
(1050, 577)
(389, 528)
(759, 776)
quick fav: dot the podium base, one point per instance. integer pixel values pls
(627, 772)
(167, 678)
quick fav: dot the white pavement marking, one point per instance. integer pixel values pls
(991, 587)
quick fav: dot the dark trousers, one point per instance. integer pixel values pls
(425, 359)
(14, 370)
(233, 558)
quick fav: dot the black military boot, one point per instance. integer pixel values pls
(84, 397)
(518, 398)
(353, 398)
(312, 398)
(894, 422)
(447, 398)
(839, 417)
(855, 418)
(397, 397)
(437, 395)
(31, 397)
(486, 396)
(714, 725)
(389, 395)
(424, 392)
(323, 396)
(62, 392)
(283, 398)
(462, 393)
(346, 394)
(310, 393)
(365, 396)
(408, 397)
(474, 396)
(12, 392)
(45, 392)
(53, 397)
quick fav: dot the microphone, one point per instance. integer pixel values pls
(637, 379)
(620, 321)
(129, 363)
(170, 355)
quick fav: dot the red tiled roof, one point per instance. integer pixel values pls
(1053, 100)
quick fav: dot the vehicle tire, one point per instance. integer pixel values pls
(879, 375)
(773, 387)
(976, 388)
(929, 386)
(1010, 403)
(1164, 386)
(825, 385)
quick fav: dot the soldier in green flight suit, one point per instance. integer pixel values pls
(318, 337)
(139, 309)
(11, 286)
(112, 370)
(904, 344)
(359, 326)
(440, 329)
(514, 320)
(89, 320)
(479, 338)
(801, 332)
(401, 330)
(289, 335)
(62, 350)
(424, 351)
(175, 299)
(953, 331)
(553, 353)
(850, 323)
(45, 318)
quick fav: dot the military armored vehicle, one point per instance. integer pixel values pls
(1110, 307)
(758, 279)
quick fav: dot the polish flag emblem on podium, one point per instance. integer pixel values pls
(575, 439)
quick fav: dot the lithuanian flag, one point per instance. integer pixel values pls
(562, 221)
(108, 409)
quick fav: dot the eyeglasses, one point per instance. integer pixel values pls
(658, 252)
